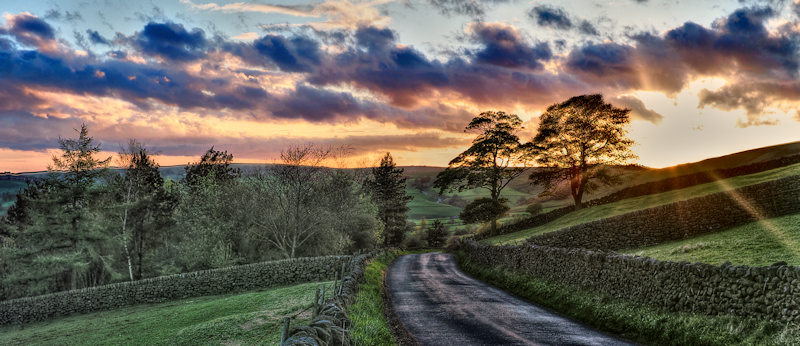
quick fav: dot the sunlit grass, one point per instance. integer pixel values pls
(752, 244)
(633, 204)
(245, 318)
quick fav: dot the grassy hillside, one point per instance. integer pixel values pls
(633, 204)
(246, 318)
(760, 243)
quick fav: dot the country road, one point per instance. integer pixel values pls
(440, 305)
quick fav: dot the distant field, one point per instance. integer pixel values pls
(760, 243)
(246, 318)
(9, 186)
(633, 204)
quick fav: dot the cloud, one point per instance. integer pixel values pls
(29, 30)
(638, 110)
(471, 8)
(297, 54)
(66, 16)
(503, 45)
(96, 38)
(339, 14)
(551, 17)
(171, 41)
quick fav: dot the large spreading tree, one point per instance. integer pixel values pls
(388, 187)
(578, 140)
(495, 158)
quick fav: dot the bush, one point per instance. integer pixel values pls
(534, 209)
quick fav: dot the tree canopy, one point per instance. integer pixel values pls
(577, 140)
(495, 158)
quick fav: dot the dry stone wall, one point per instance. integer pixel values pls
(331, 325)
(769, 293)
(164, 288)
(684, 219)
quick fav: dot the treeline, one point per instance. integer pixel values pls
(85, 225)
(650, 188)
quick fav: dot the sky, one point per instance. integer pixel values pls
(702, 78)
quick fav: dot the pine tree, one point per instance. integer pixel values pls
(437, 234)
(388, 187)
(60, 239)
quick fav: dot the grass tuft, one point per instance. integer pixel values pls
(370, 326)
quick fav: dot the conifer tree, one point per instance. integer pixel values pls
(60, 239)
(437, 234)
(388, 187)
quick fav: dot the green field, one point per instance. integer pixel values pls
(633, 204)
(9, 186)
(759, 243)
(245, 318)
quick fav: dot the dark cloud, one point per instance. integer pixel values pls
(603, 60)
(171, 41)
(587, 28)
(551, 17)
(504, 46)
(375, 39)
(96, 38)
(638, 110)
(296, 54)
(29, 30)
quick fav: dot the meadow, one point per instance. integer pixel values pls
(242, 318)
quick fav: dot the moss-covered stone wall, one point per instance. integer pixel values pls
(684, 219)
(164, 288)
(771, 293)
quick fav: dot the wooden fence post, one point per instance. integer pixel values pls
(316, 303)
(285, 330)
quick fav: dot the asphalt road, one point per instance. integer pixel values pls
(440, 305)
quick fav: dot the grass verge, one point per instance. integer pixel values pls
(644, 324)
(370, 326)
(245, 318)
(759, 243)
(633, 204)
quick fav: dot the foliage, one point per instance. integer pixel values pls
(437, 234)
(484, 209)
(60, 241)
(301, 207)
(387, 186)
(576, 141)
(213, 163)
(495, 158)
(534, 208)
(145, 206)
(644, 324)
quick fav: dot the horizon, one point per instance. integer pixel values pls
(703, 80)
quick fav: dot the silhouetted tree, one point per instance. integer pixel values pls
(214, 165)
(577, 140)
(495, 158)
(388, 187)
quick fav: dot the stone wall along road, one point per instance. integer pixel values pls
(440, 305)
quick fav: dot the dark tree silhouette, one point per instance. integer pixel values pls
(577, 141)
(495, 158)
(214, 165)
(388, 187)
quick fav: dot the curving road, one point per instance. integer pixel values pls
(440, 305)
